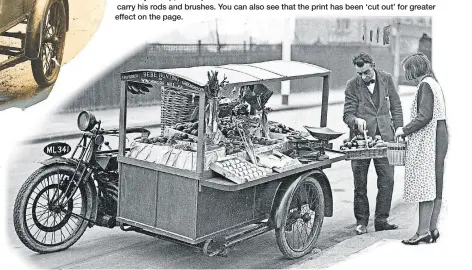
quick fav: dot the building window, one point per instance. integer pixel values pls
(342, 24)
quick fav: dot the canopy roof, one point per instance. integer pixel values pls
(236, 74)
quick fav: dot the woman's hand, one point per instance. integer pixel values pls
(399, 132)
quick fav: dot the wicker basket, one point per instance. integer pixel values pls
(396, 152)
(366, 153)
(177, 106)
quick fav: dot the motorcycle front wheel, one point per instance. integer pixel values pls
(41, 221)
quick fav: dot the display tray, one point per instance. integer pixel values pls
(221, 183)
(238, 170)
(366, 153)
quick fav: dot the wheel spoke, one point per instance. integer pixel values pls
(35, 192)
(54, 221)
(293, 235)
(62, 235)
(45, 218)
(307, 234)
(47, 192)
(72, 219)
(41, 206)
(41, 214)
(302, 235)
(299, 232)
(77, 196)
(45, 234)
(65, 227)
(68, 224)
(31, 226)
(314, 200)
(53, 237)
(37, 233)
(43, 197)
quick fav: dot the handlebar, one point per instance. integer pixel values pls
(128, 130)
(112, 151)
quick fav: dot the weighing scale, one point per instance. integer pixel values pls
(309, 149)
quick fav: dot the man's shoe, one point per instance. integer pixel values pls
(385, 226)
(361, 229)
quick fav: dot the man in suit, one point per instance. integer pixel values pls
(372, 104)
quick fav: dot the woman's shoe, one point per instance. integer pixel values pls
(434, 235)
(416, 239)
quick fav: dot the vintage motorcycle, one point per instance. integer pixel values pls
(66, 195)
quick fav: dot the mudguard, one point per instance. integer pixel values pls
(59, 160)
(287, 187)
(34, 29)
(71, 162)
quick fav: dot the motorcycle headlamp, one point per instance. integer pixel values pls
(86, 121)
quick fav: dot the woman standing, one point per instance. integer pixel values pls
(427, 146)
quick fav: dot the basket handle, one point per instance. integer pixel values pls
(365, 138)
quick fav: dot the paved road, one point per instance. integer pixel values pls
(105, 248)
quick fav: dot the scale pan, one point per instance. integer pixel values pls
(323, 133)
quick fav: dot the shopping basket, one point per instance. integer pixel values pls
(396, 152)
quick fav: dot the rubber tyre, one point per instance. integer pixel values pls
(280, 233)
(19, 218)
(40, 75)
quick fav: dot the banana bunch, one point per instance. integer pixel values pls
(138, 88)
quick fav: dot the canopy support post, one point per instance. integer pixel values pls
(201, 135)
(123, 108)
(289, 31)
(324, 101)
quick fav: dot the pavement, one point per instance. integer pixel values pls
(63, 125)
(404, 215)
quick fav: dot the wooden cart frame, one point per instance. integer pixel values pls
(200, 206)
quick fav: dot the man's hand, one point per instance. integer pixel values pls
(399, 132)
(361, 124)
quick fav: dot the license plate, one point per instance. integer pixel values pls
(57, 149)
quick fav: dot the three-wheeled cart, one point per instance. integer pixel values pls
(201, 207)
(42, 41)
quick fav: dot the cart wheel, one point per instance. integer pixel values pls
(46, 67)
(212, 248)
(302, 219)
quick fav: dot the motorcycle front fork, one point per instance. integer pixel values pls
(73, 184)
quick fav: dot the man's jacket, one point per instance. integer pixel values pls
(358, 104)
